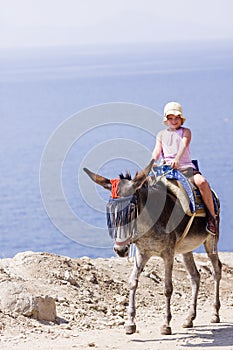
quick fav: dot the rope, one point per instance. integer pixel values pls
(187, 228)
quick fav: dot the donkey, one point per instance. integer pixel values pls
(140, 214)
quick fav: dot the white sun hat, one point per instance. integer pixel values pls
(173, 108)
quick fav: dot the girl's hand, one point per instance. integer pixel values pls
(175, 164)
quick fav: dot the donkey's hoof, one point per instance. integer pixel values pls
(130, 329)
(215, 319)
(165, 330)
(187, 324)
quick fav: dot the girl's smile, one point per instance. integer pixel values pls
(174, 121)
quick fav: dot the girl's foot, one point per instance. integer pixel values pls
(211, 226)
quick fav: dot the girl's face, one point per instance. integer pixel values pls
(174, 121)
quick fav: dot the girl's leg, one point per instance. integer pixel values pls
(206, 194)
(205, 191)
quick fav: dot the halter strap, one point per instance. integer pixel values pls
(114, 183)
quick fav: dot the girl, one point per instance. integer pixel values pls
(173, 145)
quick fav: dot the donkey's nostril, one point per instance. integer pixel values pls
(121, 251)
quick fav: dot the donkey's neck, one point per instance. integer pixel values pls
(155, 206)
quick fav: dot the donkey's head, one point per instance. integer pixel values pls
(122, 208)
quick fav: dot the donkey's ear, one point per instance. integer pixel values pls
(100, 180)
(140, 177)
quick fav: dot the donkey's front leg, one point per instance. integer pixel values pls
(168, 266)
(140, 261)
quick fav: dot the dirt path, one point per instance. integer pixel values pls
(91, 307)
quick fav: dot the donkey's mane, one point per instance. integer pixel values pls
(127, 176)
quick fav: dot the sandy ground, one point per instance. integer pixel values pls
(92, 310)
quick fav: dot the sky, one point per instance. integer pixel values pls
(30, 23)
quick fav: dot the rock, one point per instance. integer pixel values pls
(121, 300)
(15, 299)
(154, 276)
(91, 345)
(203, 267)
(70, 278)
(91, 278)
(44, 308)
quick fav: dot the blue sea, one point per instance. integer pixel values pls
(94, 107)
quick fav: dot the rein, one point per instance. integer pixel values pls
(158, 178)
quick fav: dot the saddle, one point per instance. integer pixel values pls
(188, 194)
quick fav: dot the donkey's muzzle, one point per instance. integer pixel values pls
(121, 250)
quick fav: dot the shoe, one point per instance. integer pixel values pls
(211, 226)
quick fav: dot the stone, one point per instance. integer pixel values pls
(70, 278)
(15, 299)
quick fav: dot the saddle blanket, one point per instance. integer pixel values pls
(188, 195)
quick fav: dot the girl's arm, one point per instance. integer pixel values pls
(158, 147)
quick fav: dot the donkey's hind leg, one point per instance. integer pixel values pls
(217, 274)
(195, 281)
